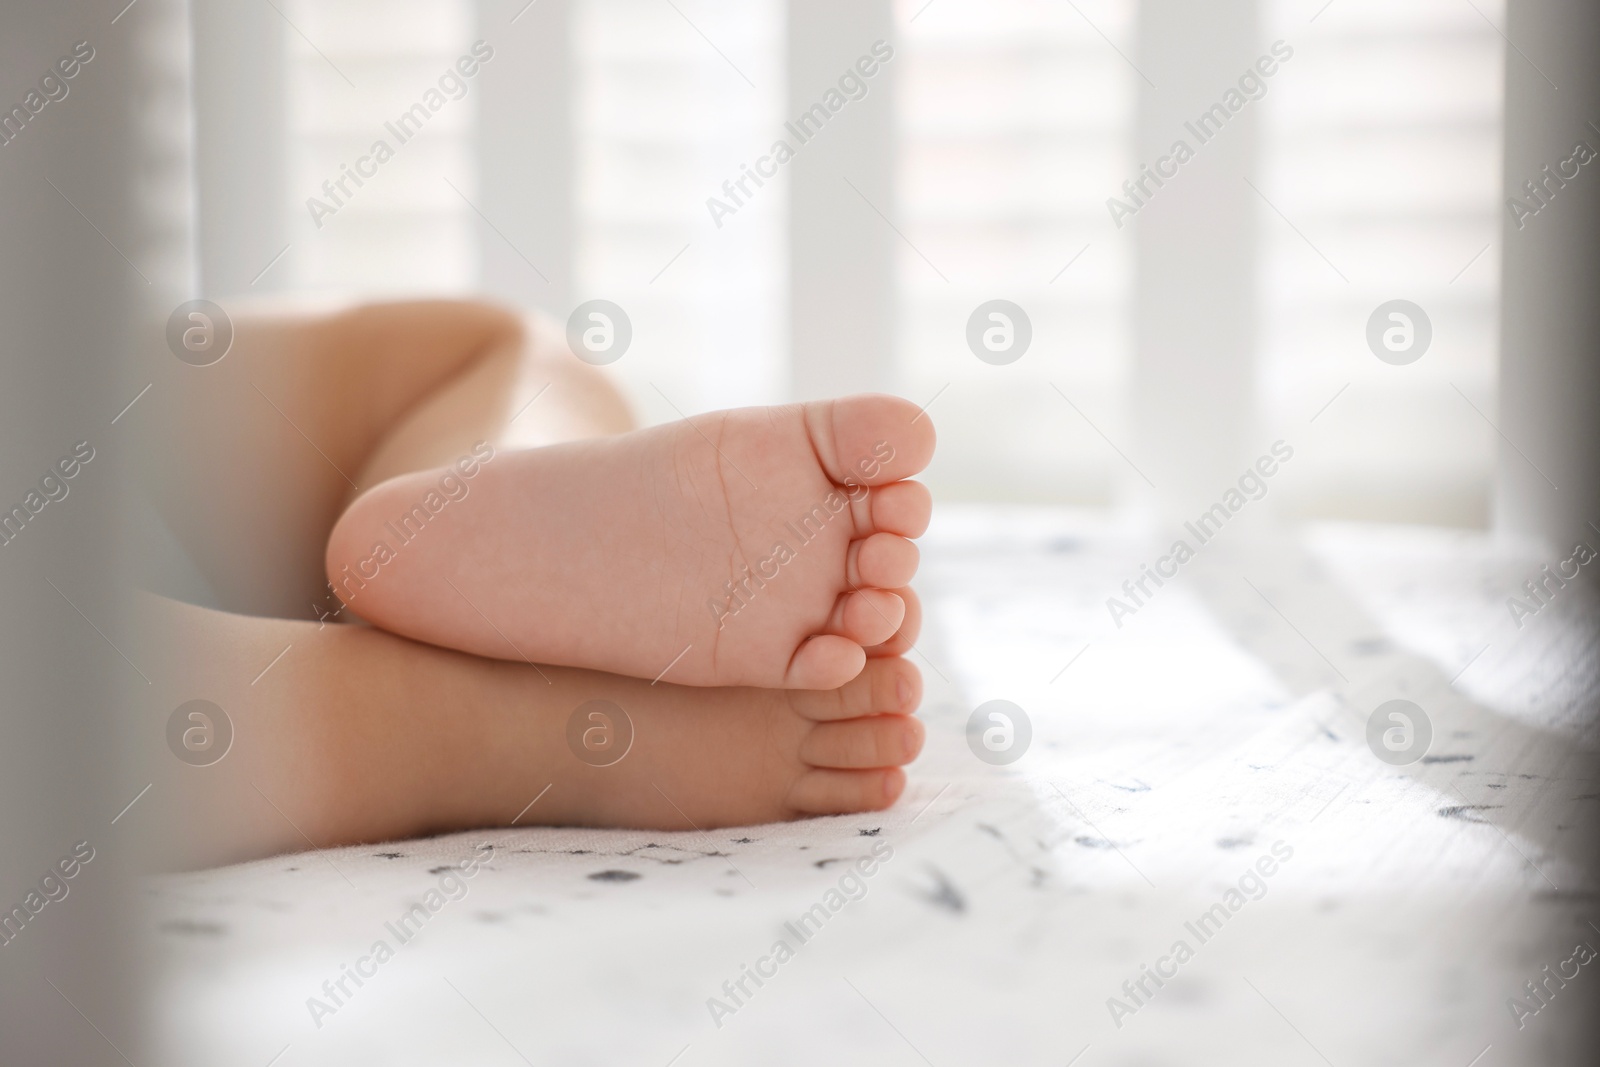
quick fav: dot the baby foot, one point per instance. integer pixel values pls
(698, 758)
(758, 546)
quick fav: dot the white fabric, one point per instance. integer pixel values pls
(1227, 715)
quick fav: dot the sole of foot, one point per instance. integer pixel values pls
(759, 546)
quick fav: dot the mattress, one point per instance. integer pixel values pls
(1205, 845)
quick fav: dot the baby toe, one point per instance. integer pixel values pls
(829, 791)
(910, 628)
(903, 508)
(886, 686)
(871, 439)
(867, 616)
(875, 741)
(826, 661)
(883, 560)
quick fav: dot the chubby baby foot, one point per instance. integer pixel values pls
(759, 547)
(695, 758)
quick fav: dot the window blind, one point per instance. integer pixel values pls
(1016, 120)
(357, 72)
(1383, 150)
(671, 99)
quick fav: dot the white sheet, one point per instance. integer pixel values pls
(1168, 757)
